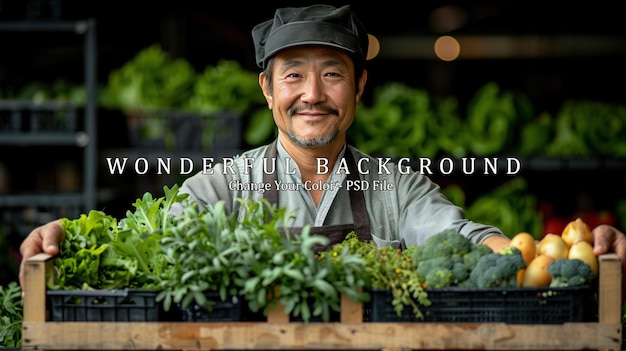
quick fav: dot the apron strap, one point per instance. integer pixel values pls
(357, 200)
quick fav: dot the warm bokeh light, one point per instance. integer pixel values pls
(447, 48)
(374, 47)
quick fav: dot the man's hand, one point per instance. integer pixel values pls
(609, 239)
(45, 238)
(497, 243)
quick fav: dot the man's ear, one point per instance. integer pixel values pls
(264, 84)
(361, 86)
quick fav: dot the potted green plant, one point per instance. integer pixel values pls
(252, 259)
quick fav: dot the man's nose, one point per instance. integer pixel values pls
(313, 91)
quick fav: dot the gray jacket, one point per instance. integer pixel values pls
(404, 207)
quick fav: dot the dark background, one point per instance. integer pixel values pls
(204, 32)
(582, 57)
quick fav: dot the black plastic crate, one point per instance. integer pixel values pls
(128, 305)
(484, 305)
(229, 310)
(235, 309)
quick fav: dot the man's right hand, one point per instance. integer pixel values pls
(45, 238)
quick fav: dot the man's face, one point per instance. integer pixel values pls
(314, 95)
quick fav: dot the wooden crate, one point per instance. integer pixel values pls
(348, 334)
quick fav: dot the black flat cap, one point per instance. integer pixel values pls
(312, 25)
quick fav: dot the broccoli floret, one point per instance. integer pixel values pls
(570, 272)
(498, 269)
(510, 250)
(436, 272)
(441, 272)
(477, 251)
(456, 258)
(485, 262)
(445, 243)
(433, 264)
(460, 273)
(458, 269)
(437, 279)
(447, 259)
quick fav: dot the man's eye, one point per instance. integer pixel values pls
(333, 74)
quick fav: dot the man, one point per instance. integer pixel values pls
(313, 76)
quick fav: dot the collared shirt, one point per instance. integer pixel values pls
(404, 207)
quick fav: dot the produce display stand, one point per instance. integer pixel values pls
(350, 333)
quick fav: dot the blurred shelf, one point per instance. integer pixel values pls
(79, 27)
(42, 124)
(79, 139)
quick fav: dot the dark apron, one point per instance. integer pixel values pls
(335, 233)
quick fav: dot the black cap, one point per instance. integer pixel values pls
(312, 25)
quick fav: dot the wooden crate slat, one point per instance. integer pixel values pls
(349, 334)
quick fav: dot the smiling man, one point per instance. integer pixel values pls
(313, 74)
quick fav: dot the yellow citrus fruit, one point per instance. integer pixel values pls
(553, 245)
(577, 230)
(583, 251)
(536, 274)
(526, 244)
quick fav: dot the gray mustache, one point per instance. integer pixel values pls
(313, 108)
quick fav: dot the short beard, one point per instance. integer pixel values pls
(315, 142)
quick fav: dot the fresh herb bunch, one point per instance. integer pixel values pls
(388, 268)
(139, 235)
(100, 252)
(287, 270)
(209, 250)
(201, 253)
(81, 254)
(301, 278)
(11, 315)
(262, 250)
